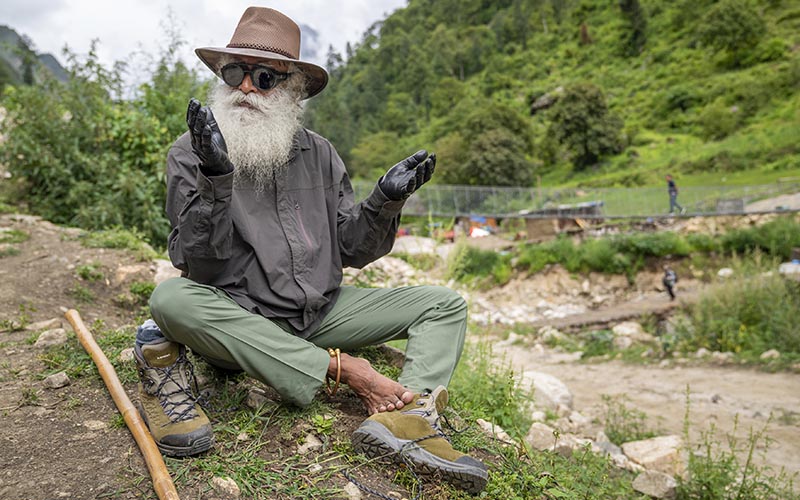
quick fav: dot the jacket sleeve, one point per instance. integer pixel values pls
(198, 208)
(366, 230)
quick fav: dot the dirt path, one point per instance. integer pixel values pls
(718, 396)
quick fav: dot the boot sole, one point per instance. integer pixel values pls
(198, 445)
(375, 441)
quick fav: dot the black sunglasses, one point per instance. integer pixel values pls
(263, 77)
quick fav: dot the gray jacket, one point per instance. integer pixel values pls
(277, 253)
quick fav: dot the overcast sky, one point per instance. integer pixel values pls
(124, 27)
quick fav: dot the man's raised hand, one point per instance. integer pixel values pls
(404, 178)
(207, 141)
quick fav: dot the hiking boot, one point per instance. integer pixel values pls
(166, 402)
(414, 433)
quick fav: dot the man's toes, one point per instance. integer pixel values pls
(407, 397)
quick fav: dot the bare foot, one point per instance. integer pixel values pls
(378, 393)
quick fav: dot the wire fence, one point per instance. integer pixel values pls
(503, 202)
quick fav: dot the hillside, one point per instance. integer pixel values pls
(20, 64)
(600, 93)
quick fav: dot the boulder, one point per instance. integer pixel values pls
(771, 354)
(57, 380)
(164, 271)
(49, 338)
(660, 454)
(226, 488)
(540, 436)
(656, 484)
(549, 391)
(494, 431)
(311, 443)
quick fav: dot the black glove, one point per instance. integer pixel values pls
(207, 141)
(407, 176)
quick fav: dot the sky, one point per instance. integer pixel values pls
(126, 27)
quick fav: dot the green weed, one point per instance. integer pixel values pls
(121, 238)
(90, 272)
(142, 290)
(624, 424)
(81, 293)
(730, 472)
(13, 236)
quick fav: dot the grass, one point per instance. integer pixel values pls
(120, 238)
(747, 314)
(624, 424)
(13, 236)
(729, 472)
(90, 272)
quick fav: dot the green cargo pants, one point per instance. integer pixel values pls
(432, 318)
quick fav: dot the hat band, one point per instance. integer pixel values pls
(258, 46)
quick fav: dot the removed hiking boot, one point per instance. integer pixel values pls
(166, 402)
(413, 432)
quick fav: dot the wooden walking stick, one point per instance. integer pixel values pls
(162, 483)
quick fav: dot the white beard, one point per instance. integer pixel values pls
(259, 136)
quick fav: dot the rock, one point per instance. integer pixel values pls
(578, 420)
(134, 272)
(622, 343)
(702, 353)
(95, 425)
(164, 271)
(568, 443)
(661, 454)
(512, 338)
(633, 332)
(48, 338)
(606, 448)
(722, 357)
(628, 329)
(311, 443)
(57, 380)
(243, 436)
(548, 333)
(413, 245)
(540, 436)
(538, 416)
(352, 491)
(256, 398)
(549, 391)
(126, 356)
(226, 488)
(656, 484)
(771, 354)
(314, 468)
(48, 324)
(725, 272)
(494, 431)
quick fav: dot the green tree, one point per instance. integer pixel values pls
(582, 123)
(634, 36)
(733, 27)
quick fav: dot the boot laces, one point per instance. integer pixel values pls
(172, 385)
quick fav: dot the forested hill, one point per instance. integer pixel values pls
(589, 92)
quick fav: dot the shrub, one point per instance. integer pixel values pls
(746, 314)
(776, 238)
(466, 263)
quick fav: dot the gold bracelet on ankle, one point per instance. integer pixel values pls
(334, 353)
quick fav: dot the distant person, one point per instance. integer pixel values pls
(669, 280)
(672, 189)
(263, 220)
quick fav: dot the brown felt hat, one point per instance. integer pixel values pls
(268, 35)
